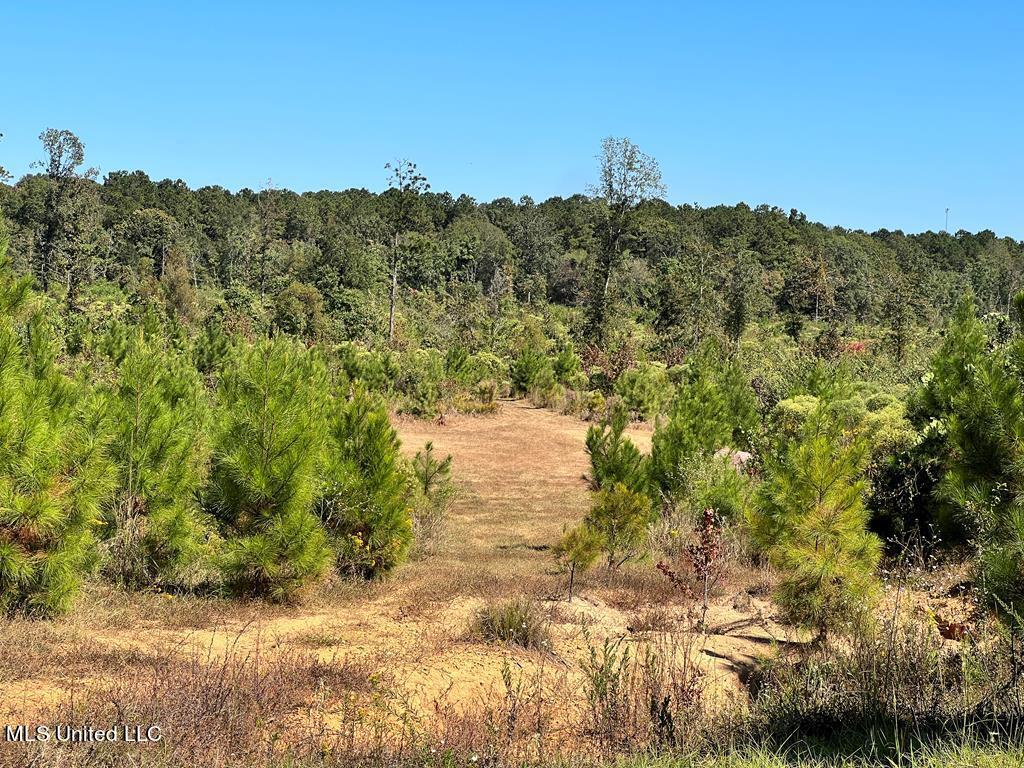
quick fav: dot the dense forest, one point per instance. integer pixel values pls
(618, 265)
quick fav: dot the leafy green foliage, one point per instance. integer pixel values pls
(530, 368)
(54, 477)
(713, 408)
(268, 443)
(364, 498)
(435, 494)
(578, 550)
(645, 390)
(812, 522)
(975, 399)
(613, 457)
(620, 517)
(158, 417)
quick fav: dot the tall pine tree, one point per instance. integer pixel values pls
(53, 473)
(365, 492)
(158, 416)
(269, 441)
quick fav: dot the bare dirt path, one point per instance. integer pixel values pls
(521, 475)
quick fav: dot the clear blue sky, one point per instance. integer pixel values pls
(867, 115)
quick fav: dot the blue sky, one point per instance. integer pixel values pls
(867, 115)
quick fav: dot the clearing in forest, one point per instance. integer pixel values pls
(521, 475)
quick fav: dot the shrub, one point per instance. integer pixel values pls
(545, 391)
(567, 365)
(698, 426)
(158, 417)
(898, 672)
(420, 381)
(487, 391)
(487, 366)
(620, 517)
(212, 347)
(613, 457)
(53, 474)
(299, 311)
(269, 439)
(812, 521)
(364, 497)
(645, 389)
(530, 367)
(519, 621)
(435, 494)
(578, 550)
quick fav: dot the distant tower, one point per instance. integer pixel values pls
(947, 221)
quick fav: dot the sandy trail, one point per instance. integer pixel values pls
(521, 475)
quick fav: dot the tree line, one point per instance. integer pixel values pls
(363, 266)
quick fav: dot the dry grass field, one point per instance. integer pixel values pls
(359, 667)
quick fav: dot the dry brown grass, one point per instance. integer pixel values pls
(386, 670)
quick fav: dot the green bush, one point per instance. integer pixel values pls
(364, 496)
(530, 366)
(621, 517)
(811, 520)
(645, 390)
(434, 498)
(420, 381)
(158, 418)
(268, 442)
(54, 477)
(613, 456)
(701, 422)
(566, 364)
(578, 550)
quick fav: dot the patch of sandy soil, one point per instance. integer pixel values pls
(521, 474)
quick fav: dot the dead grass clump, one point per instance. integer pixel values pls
(897, 672)
(215, 708)
(517, 723)
(636, 585)
(520, 621)
(650, 697)
(31, 649)
(654, 619)
(104, 606)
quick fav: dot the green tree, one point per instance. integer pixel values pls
(264, 479)
(299, 311)
(740, 299)
(403, 214)
(713, 408)
(578, 550)
(627, 177)
(158, 418)
(900, 310)
(975, 394)
(54, 477)
(811, 520)
(70, 227)
(614, 458)
(621, 517)
(364, 498)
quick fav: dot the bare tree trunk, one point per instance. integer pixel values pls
(394, 290)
